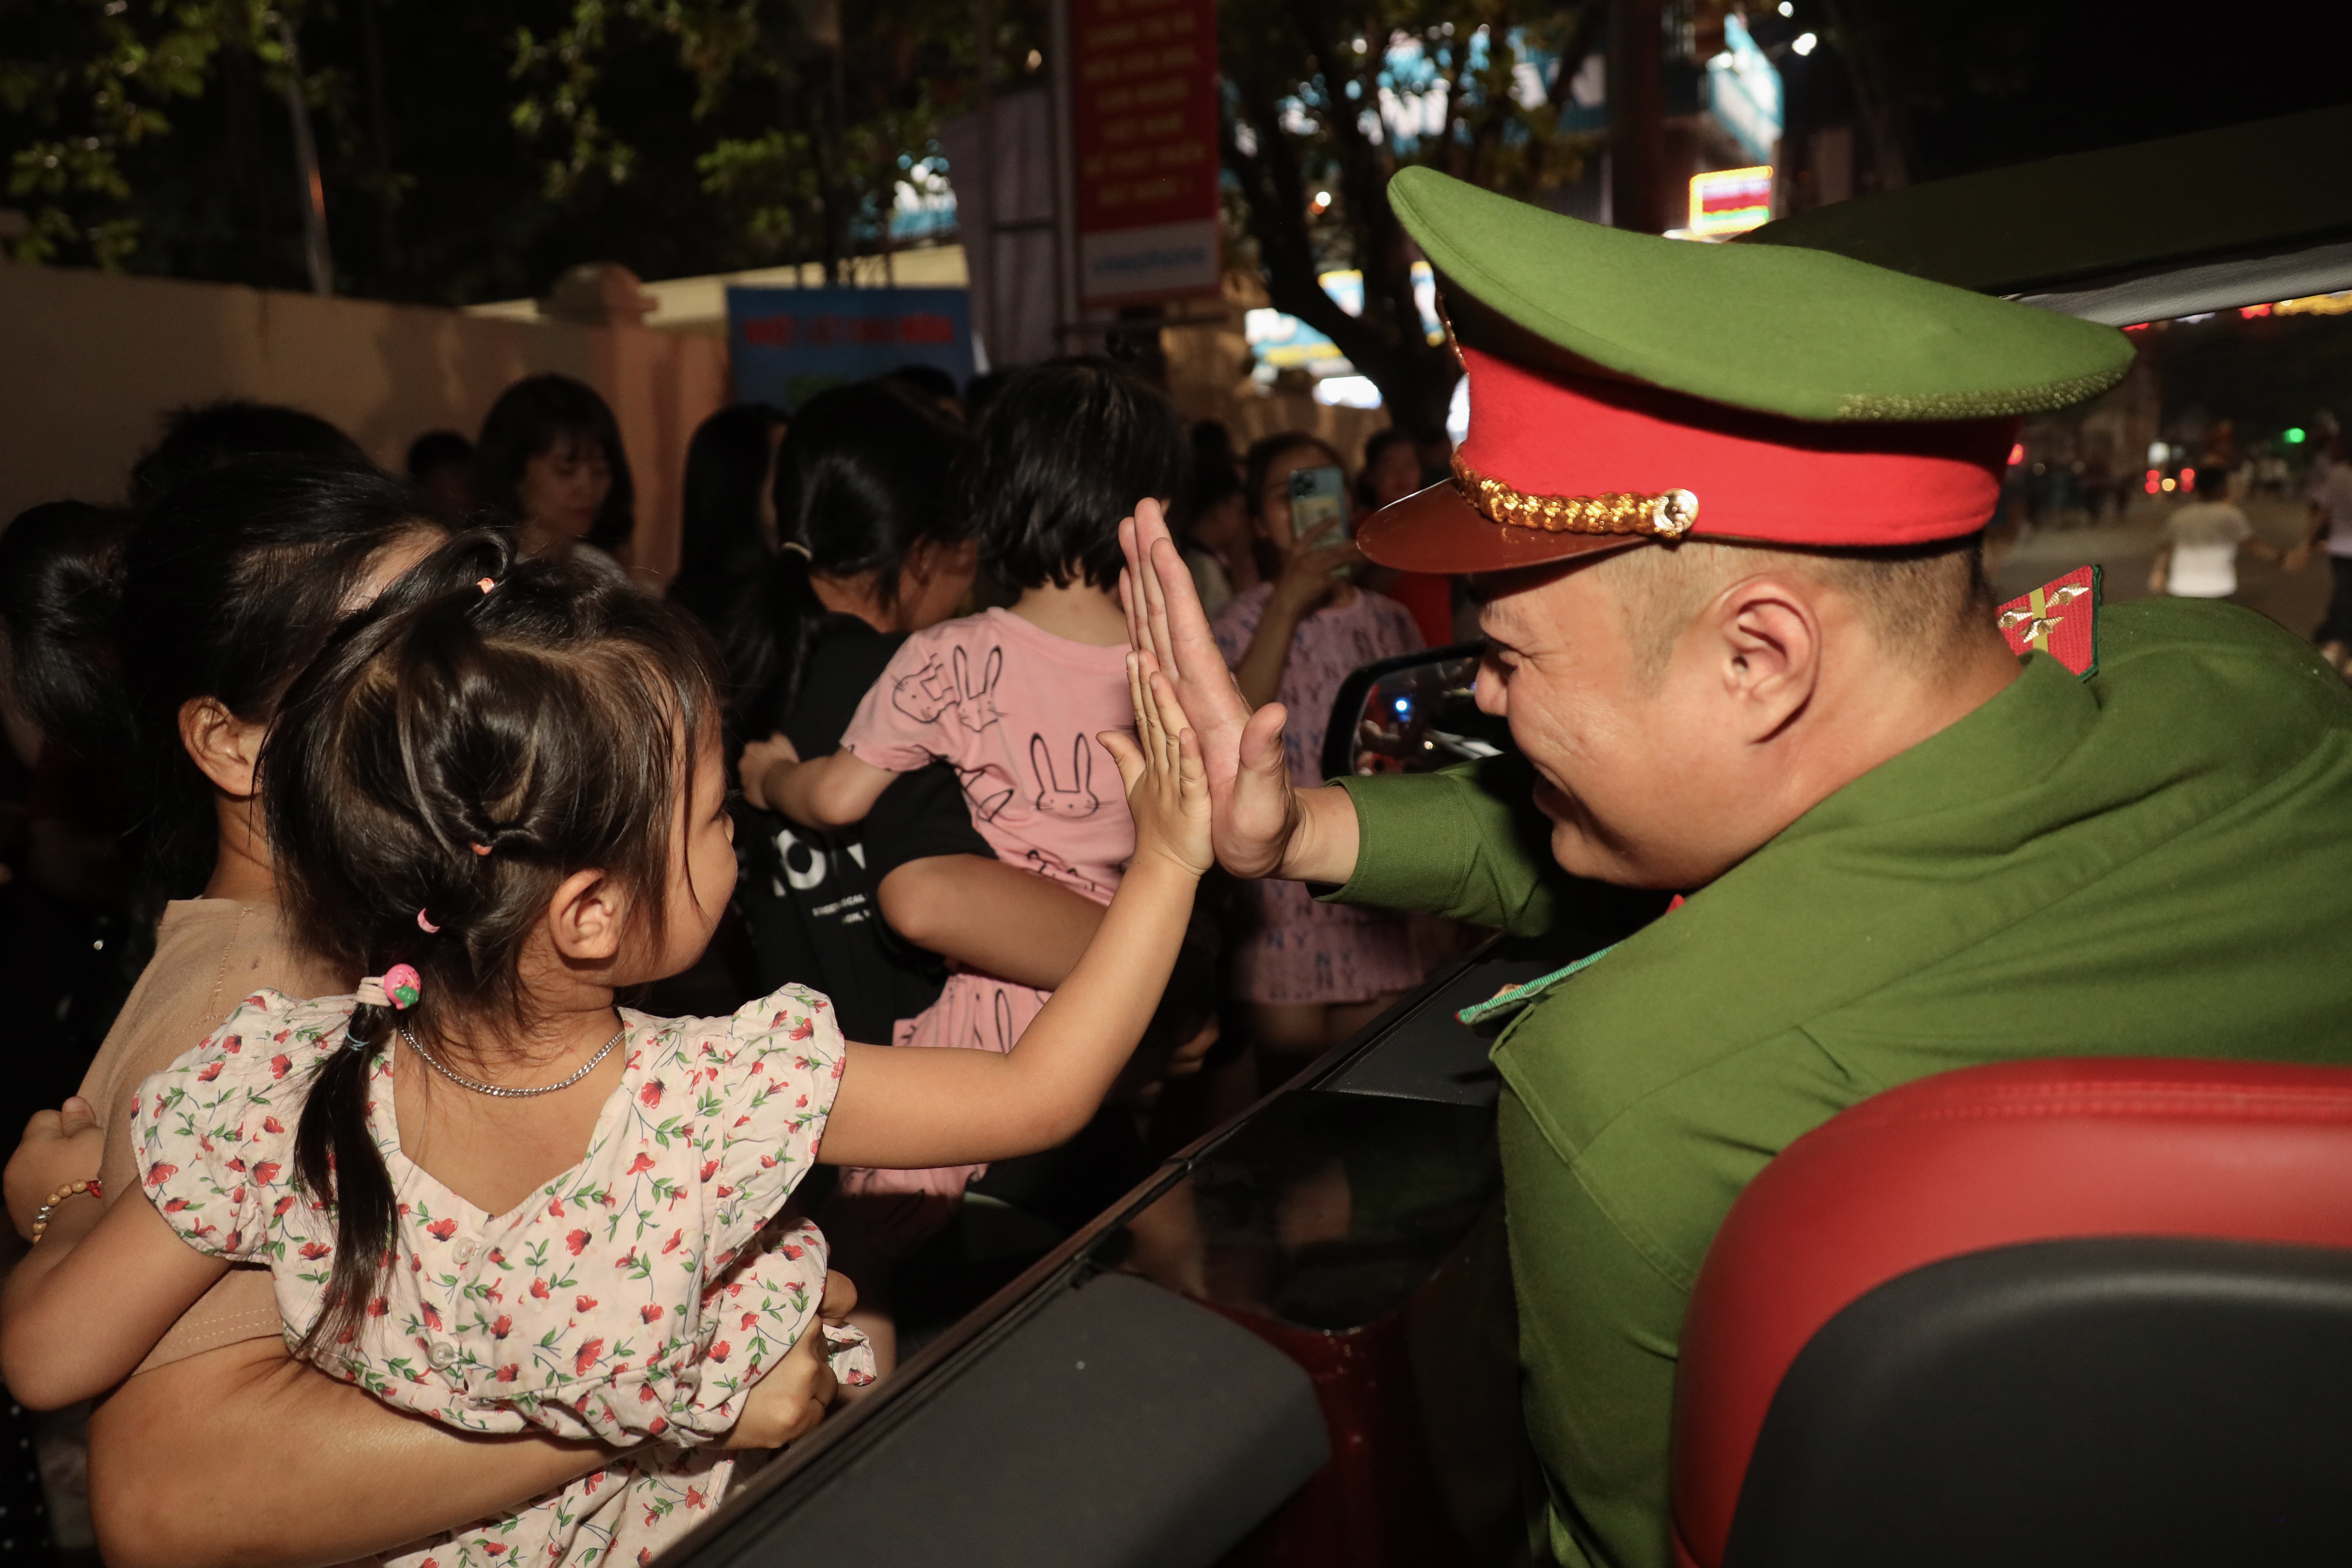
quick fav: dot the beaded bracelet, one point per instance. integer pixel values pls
(72, 1189)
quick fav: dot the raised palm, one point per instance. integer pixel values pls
(1252, 809)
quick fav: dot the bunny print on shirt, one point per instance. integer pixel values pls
(1015, 710)
(1053, 800)
(930, 692)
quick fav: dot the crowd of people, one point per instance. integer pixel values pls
(308, 755)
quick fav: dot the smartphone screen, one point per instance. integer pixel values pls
(1318, 499)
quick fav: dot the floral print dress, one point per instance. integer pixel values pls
(633, 1299)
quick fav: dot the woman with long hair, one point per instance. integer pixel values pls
(872, 548)
(728, 533)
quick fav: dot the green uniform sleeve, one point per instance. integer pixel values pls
(1466, 843)
(1597, 1325)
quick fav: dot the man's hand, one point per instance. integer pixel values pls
(789, 1402)
(60, 1147)
(1253, 810)
(760, 758)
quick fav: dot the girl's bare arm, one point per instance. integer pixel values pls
(828, 792)
(84, 1308)
(990, 916)
(915, 1108)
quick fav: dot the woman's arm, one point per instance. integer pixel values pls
(990, 916)
(915, 1108)
(349, 1476)
(89, 1303)
(180, 1454)
(831, 792)
(60, 1148)
(1305, 582)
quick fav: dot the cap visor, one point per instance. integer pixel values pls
(1436, 529)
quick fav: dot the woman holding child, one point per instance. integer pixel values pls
(528, 755)
(228, 586)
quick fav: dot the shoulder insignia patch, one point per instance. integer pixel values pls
(2060, 618)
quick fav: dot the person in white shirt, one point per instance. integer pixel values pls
(2331, 516)
(2198, 557)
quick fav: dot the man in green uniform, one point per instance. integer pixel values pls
(1725, 506)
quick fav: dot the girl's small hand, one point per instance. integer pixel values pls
(790, 1402)
(1166, 786)
(760, 758)
(61, 1148)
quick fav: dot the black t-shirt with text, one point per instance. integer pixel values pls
(808, 896)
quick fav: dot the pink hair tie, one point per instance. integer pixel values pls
(487, 584)
(480, 848)
(397, 988)
(425, 925)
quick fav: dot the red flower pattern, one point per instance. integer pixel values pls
(213, 1152)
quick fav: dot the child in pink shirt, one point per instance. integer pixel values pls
(1012, 697)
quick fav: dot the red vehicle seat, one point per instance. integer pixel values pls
(2057, 1310)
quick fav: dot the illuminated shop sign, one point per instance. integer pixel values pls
(1730, 201)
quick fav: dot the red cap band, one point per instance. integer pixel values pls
(1756, 476)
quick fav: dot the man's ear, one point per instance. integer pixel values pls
(225, 747)
(1767, 636)
(586, 918)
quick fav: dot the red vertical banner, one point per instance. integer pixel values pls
(1144, 116)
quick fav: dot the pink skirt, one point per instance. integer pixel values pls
(898, 1210)
(1296, 950)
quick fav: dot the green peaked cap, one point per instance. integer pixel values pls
(1777, 329)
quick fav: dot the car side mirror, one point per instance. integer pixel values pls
(1411, 714)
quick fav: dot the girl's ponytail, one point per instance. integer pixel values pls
(336, 1160)
(863, 474)
(767, 644)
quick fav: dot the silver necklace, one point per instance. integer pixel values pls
(491, 1089)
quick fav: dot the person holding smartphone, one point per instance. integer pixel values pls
(1309, 974)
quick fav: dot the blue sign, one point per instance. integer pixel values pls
(786, 345)
(1743, 89)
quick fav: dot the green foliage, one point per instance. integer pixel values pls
(805, 112)
(1332, 97)
(89, 80)
(472, 152)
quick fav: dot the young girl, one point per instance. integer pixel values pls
(502, 805)
(1013, 698)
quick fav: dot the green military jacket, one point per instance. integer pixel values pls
(2153, 861)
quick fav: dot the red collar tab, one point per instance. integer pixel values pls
(2060, 618)
(1571, 444)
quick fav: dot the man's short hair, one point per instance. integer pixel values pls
(1921, 603)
